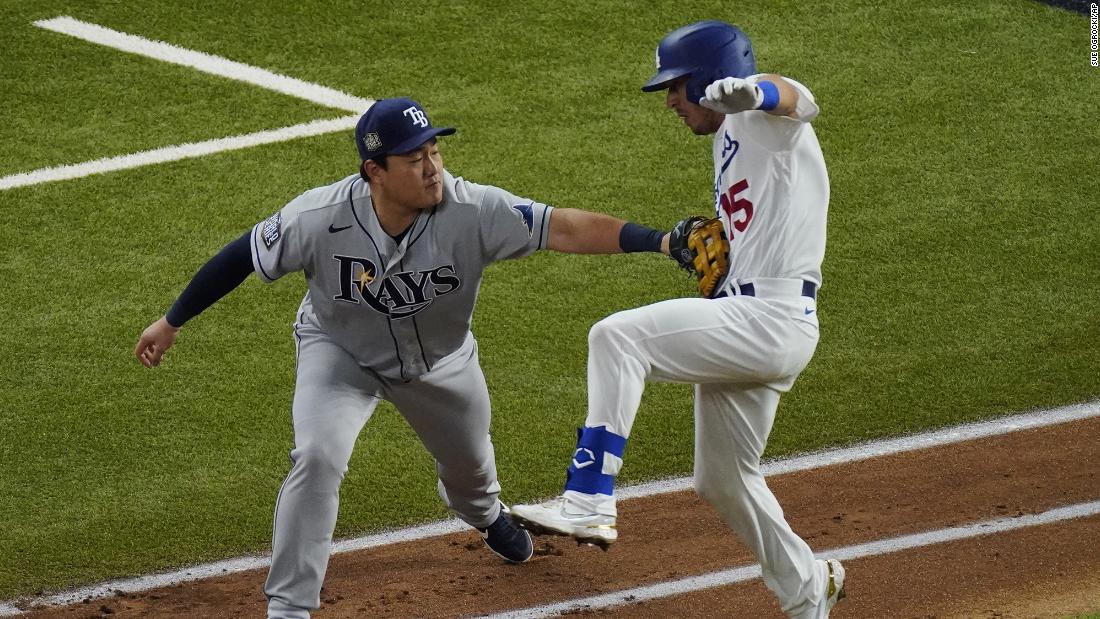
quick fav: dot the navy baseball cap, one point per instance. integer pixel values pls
(394, 127)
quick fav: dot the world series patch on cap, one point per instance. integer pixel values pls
(394, 127)
(372, 142)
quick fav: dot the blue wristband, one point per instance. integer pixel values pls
(634, 237)
(771, 95)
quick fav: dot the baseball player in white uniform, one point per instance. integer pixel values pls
(393, 257)
(741, 348)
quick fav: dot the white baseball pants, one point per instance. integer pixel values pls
(741, 353)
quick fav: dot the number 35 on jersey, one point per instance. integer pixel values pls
(737, 211)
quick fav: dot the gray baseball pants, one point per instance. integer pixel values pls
(334, 396)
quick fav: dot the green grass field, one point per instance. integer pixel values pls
(961, 278)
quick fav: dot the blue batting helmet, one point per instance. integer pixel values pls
(704, 51)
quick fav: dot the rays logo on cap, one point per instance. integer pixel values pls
(657, 53)
(371, 141)
(417, 115)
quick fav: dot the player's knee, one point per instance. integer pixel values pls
(609, 335)
(320, 464)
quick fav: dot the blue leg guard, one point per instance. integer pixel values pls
(593, 470)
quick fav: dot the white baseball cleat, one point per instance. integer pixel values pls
(561, 516)
(834, 588)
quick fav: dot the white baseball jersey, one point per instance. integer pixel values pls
(398, 308)
(771, 191)
(742, 351)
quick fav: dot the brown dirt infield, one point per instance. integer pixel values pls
(1044, 571)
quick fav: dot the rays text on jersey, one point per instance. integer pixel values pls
(397, 295)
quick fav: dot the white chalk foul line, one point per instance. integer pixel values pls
(885, 447)
(741, 574)
(203, 62)
(993, 427)
(176, 153)
(229, 566)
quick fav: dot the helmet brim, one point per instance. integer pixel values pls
(664, 78)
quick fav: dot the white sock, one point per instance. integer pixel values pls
(592, 503)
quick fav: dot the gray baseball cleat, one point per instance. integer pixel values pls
(562, 517)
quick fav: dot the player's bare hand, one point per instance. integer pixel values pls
(154, 341)
(731, 95)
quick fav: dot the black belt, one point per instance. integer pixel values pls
(809, 289)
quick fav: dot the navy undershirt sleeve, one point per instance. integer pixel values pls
(217, 278)
(635, 237)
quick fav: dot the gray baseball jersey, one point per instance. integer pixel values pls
(397, 307)
(384, 319)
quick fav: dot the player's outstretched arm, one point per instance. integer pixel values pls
(770, 93)
(583, 232)
(217, 278)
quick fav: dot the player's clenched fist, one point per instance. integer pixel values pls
(731, 95)
(154, 341)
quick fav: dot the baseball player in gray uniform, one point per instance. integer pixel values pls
(393, 257)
